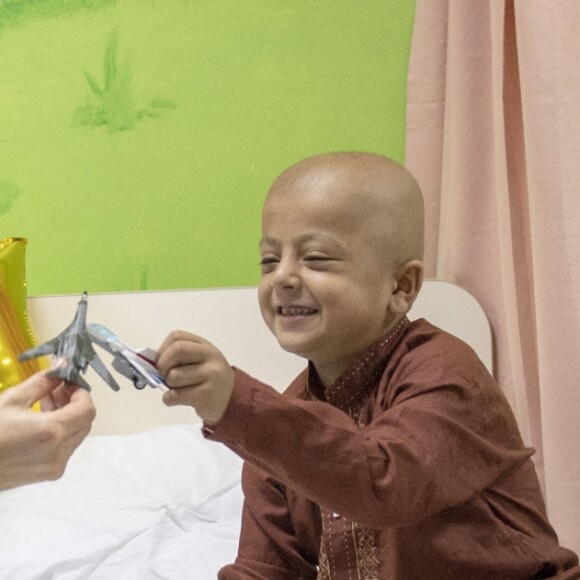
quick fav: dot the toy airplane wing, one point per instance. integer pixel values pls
(49, 347)
(102, 371)
(138, 366)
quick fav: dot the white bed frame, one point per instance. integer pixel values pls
(228, 317)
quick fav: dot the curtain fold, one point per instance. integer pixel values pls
(493, 138)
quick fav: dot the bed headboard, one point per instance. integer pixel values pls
(228, 317)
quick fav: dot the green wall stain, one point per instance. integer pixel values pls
(112, 102)
(15, 12)
(9, 192)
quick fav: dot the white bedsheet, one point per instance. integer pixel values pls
(164, 504)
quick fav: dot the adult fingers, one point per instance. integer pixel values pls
(59, 397)
(31, 390)
(78, 414)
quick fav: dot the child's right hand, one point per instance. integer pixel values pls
(197, 374)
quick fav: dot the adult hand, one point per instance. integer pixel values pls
(37, 446)
(197, 373)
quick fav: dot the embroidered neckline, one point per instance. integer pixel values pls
(352, 387)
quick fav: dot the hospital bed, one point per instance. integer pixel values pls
(145, 496)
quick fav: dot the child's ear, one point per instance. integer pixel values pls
(408, 279)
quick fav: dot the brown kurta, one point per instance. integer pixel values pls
(409, 467)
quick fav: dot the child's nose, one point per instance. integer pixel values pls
(286, 275)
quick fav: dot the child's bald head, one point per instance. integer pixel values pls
(374, 193)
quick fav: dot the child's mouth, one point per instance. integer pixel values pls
(295, 311)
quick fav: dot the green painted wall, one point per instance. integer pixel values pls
(139, 137)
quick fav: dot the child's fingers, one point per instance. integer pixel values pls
(181, 352)
(177, 336)
(191, 396)
(172, 397)
(189, 375)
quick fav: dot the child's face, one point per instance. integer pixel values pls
(325, 290)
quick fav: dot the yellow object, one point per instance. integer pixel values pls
(15, 332)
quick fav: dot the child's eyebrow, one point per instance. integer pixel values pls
(300, 240)
(267, 241)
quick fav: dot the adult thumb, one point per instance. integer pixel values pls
(31, 390)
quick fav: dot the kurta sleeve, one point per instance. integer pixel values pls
(438, 436)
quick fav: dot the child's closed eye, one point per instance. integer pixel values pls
(268, 264)
(318, 260)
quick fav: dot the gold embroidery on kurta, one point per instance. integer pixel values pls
(323, 565)
(366, 553)
(362, 540)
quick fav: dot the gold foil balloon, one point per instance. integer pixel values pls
(15, 331)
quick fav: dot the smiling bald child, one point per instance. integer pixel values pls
(394, 455)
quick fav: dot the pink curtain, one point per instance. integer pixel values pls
(493, 137)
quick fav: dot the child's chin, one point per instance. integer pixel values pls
(294, 347)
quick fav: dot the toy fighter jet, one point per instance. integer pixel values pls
(74, 346)
(137, 365)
